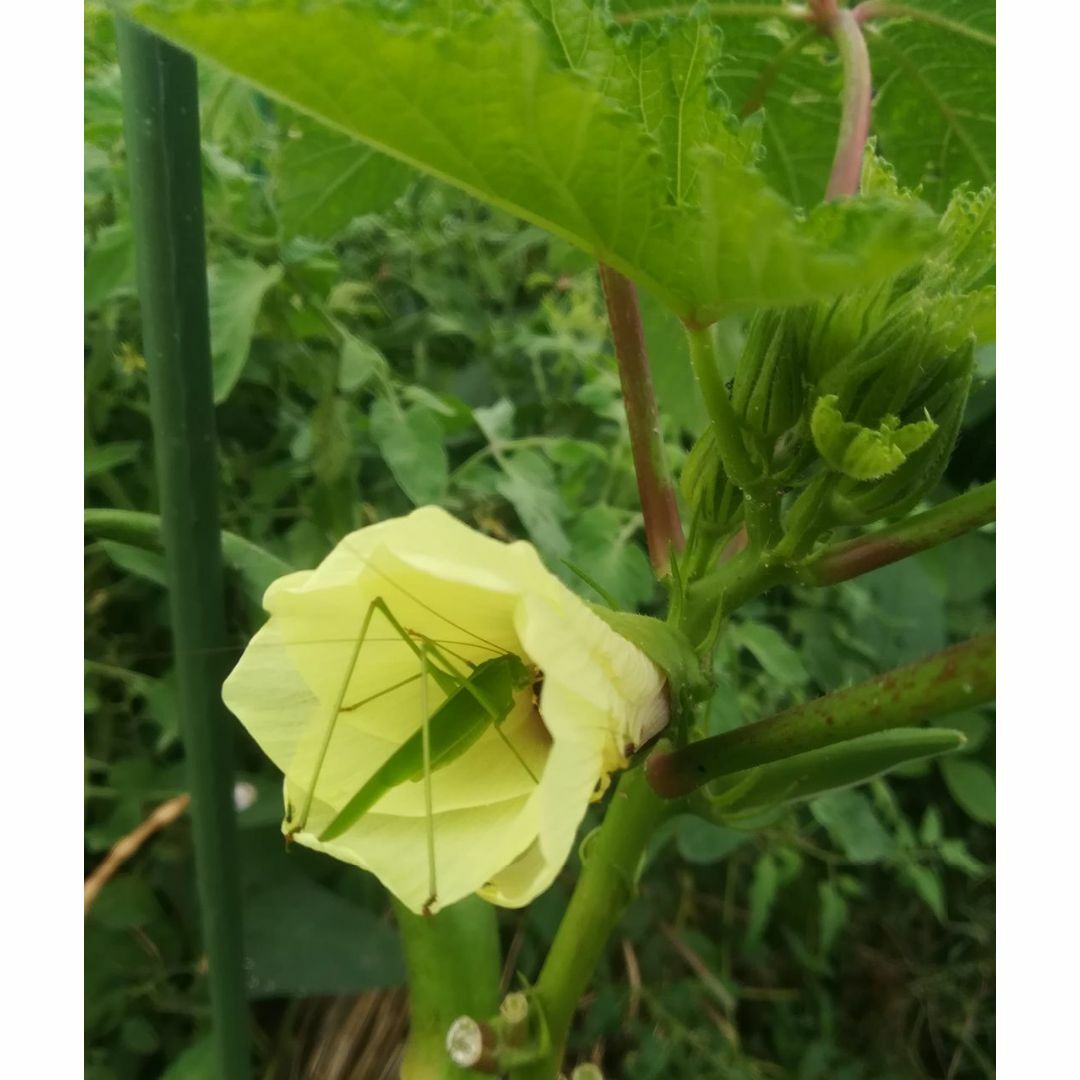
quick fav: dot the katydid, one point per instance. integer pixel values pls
(477, 699)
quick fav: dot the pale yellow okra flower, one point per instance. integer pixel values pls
(497, 831)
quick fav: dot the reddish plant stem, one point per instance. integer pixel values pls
(663, 529)
(951, 519)
(855, 114)
(956, 678)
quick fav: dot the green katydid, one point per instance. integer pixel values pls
(479, 696)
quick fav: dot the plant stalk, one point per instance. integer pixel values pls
(956, 678)
(953, 518)
(611, 859)
(663, 529)
(454, 962)
(855, 105)
(161, 130)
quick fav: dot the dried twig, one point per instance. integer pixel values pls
(127, 846)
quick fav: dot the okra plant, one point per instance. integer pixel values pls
(443, 706)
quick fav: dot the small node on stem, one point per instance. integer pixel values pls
(514, 1011)
(587, 1071)
(471, 1044)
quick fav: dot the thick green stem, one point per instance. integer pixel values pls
(951, 519)
(611, 859)
(717, 595)
(955, 678)
(453, 962)
(729, 441)
(161, 129)
(855, 114)
(663, 529)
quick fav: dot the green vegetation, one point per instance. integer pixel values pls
(417, 319)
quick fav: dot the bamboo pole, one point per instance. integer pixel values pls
(161, 129)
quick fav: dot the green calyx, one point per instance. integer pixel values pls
(864, 453)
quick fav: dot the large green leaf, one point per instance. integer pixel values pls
(609, 140)
(323, 179)
(933, 65)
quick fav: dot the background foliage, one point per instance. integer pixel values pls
(384, 342)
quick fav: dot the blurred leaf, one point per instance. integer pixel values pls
(703, 843)
(110, 266)
(725, 712)
(302, 940)
(197, 1062)
(125, 903)
(411, 443)
(360, 360)
(612, 559)
(257, 568)
(955, 853)
(324, 179)
(106, 457)
(972, 785)
(974, 726)
(139, 1035)
(772, 652)
(528, 484)
(907, 619)
(138, 561)
(331, 440)
(926, 882)
(677, 391)
(832, 917)
(237, 288)
(850, 821)
(763, 889)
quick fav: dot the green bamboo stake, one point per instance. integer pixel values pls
(161, 129)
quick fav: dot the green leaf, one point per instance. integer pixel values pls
(528, 484)
(331, 440)
(256, 567)
(411, 443)
(832, 915)
(854, 827)
(677, 392)
(105, 458)
(137, 561)
(934, 101)
(703, 843)
(864, 453)
(927, 884)
(934, 80)
(110, 266)
(764, 887)
(237, 288)
(359, 362)
(972, 785)
(855, 761)
(600, 547)
(301, 939)
(323, 180)
(126, 903)
(607, 139)
(772, 652)
(197, 1062)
